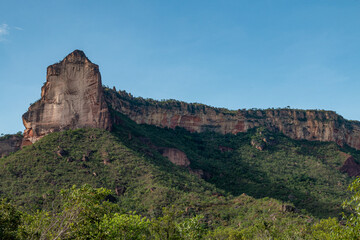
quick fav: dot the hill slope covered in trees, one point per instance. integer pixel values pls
(258, 178)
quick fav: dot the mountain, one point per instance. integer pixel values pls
(283, 167)
(141, 178)
(73, 97)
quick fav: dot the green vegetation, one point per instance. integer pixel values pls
(7, 136)
(85, 213)
(142, 181)
(349, 227)
(302, 172)
(198, 107)
(279, 192)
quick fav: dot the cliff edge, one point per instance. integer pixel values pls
(313, 125)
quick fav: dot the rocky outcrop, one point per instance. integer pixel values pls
(350, 167)
(9, 144)
(71, 98)
(175, 156)
(313, 125)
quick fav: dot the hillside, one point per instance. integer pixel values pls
(306, 173)
(302, 172)
(142, 181)
(240, 187)
(270, 173)
(33, 175)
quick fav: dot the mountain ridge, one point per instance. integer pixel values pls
(313, 125)
(242, 170)
(90, 108)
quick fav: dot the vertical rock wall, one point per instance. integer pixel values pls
(71, 98)
(311, 125)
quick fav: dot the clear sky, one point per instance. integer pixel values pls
(234, 54)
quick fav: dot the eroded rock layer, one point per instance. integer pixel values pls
(71, 98)
(311, 125)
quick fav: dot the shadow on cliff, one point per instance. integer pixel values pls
(301, 172)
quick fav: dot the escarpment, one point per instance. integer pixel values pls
(9, 144)
(71, 98)
(313, 125)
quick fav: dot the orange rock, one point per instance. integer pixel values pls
(312, 125)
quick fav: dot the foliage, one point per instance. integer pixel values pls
(10, 219)
(82, 210)
(302, 174)
(349, 227)
(8, 136)
(125, 226)
(86, 214)
(191, 228)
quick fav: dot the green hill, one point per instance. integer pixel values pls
(33, 176)
(305, 173)
(258, 178)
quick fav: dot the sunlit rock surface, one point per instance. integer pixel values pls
(71, 98)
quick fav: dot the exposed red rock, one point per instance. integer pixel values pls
(71, 98)
(313, 125)
(350, 167)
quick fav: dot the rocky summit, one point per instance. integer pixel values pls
(312, 125)
(71, 98)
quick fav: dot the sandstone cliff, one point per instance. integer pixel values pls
(9, 144)
(297, 124)
(72, 97)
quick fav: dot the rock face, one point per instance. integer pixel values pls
(71, 98)
(9, 144)
(311, 125)
(175, 156)
(350, 167)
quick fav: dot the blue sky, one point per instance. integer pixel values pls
(233, 54)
